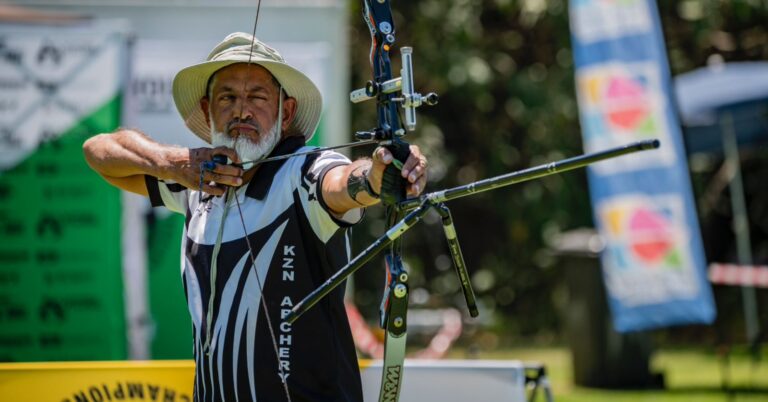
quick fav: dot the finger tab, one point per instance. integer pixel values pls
(209, 165)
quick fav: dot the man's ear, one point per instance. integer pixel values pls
(204, 105)
(289, 112)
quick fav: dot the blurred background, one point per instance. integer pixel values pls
(89, 274)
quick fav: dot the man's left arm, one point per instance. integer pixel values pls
(358, 184)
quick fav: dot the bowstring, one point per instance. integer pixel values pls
(312, 151)
(283, 377)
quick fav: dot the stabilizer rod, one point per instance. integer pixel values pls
(424, 203)
(528, 174)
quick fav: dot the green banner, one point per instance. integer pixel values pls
(61, 293)
(61, 286)
(172, 325)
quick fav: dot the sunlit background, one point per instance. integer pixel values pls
(87, 273)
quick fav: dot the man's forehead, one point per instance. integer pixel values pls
(253, 75)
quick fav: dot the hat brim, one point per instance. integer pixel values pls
(189, 87)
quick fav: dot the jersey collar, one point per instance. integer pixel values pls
(265, 174)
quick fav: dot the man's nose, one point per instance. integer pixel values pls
(242, 111)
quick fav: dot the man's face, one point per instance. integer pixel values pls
(243, 102)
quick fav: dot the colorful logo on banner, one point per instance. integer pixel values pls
(647, 242)
(620, 104)
(609, 19)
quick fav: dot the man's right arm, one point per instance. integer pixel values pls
(125, 156)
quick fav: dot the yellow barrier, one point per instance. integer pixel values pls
(166, 381)
(172, 381)
(158, 380)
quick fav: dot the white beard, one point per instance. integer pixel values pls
(247, 150)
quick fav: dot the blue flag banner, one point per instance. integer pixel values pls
(653, 262)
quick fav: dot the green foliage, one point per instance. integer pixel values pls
(504, 73)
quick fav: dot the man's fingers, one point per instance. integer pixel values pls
(416, 165)
(410, 163)
(415, 169)
(213, 190)
(415, 189)
(382, 155)
(228, 170)
(224, 179)
(228, 152)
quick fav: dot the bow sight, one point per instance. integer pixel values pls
(409, 100)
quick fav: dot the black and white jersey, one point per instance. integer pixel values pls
(297, 244)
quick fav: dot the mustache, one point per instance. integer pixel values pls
(250, 123)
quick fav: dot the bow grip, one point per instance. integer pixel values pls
(392, 183)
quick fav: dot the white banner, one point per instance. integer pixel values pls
(51, 78)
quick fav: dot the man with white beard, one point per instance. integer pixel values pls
(257, 237)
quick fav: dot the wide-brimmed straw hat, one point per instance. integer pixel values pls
(190, 84)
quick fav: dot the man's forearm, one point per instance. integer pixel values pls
(124, 157)
(341, 190)
(359, 183)
(126, 153)
(359, 188)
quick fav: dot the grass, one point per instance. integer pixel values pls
(690, 375)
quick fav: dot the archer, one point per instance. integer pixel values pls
(258, 237)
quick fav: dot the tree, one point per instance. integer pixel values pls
(504, 73)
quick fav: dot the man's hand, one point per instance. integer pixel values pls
(414, 170)
(125, 156)
(185, 170)
(340, 197)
